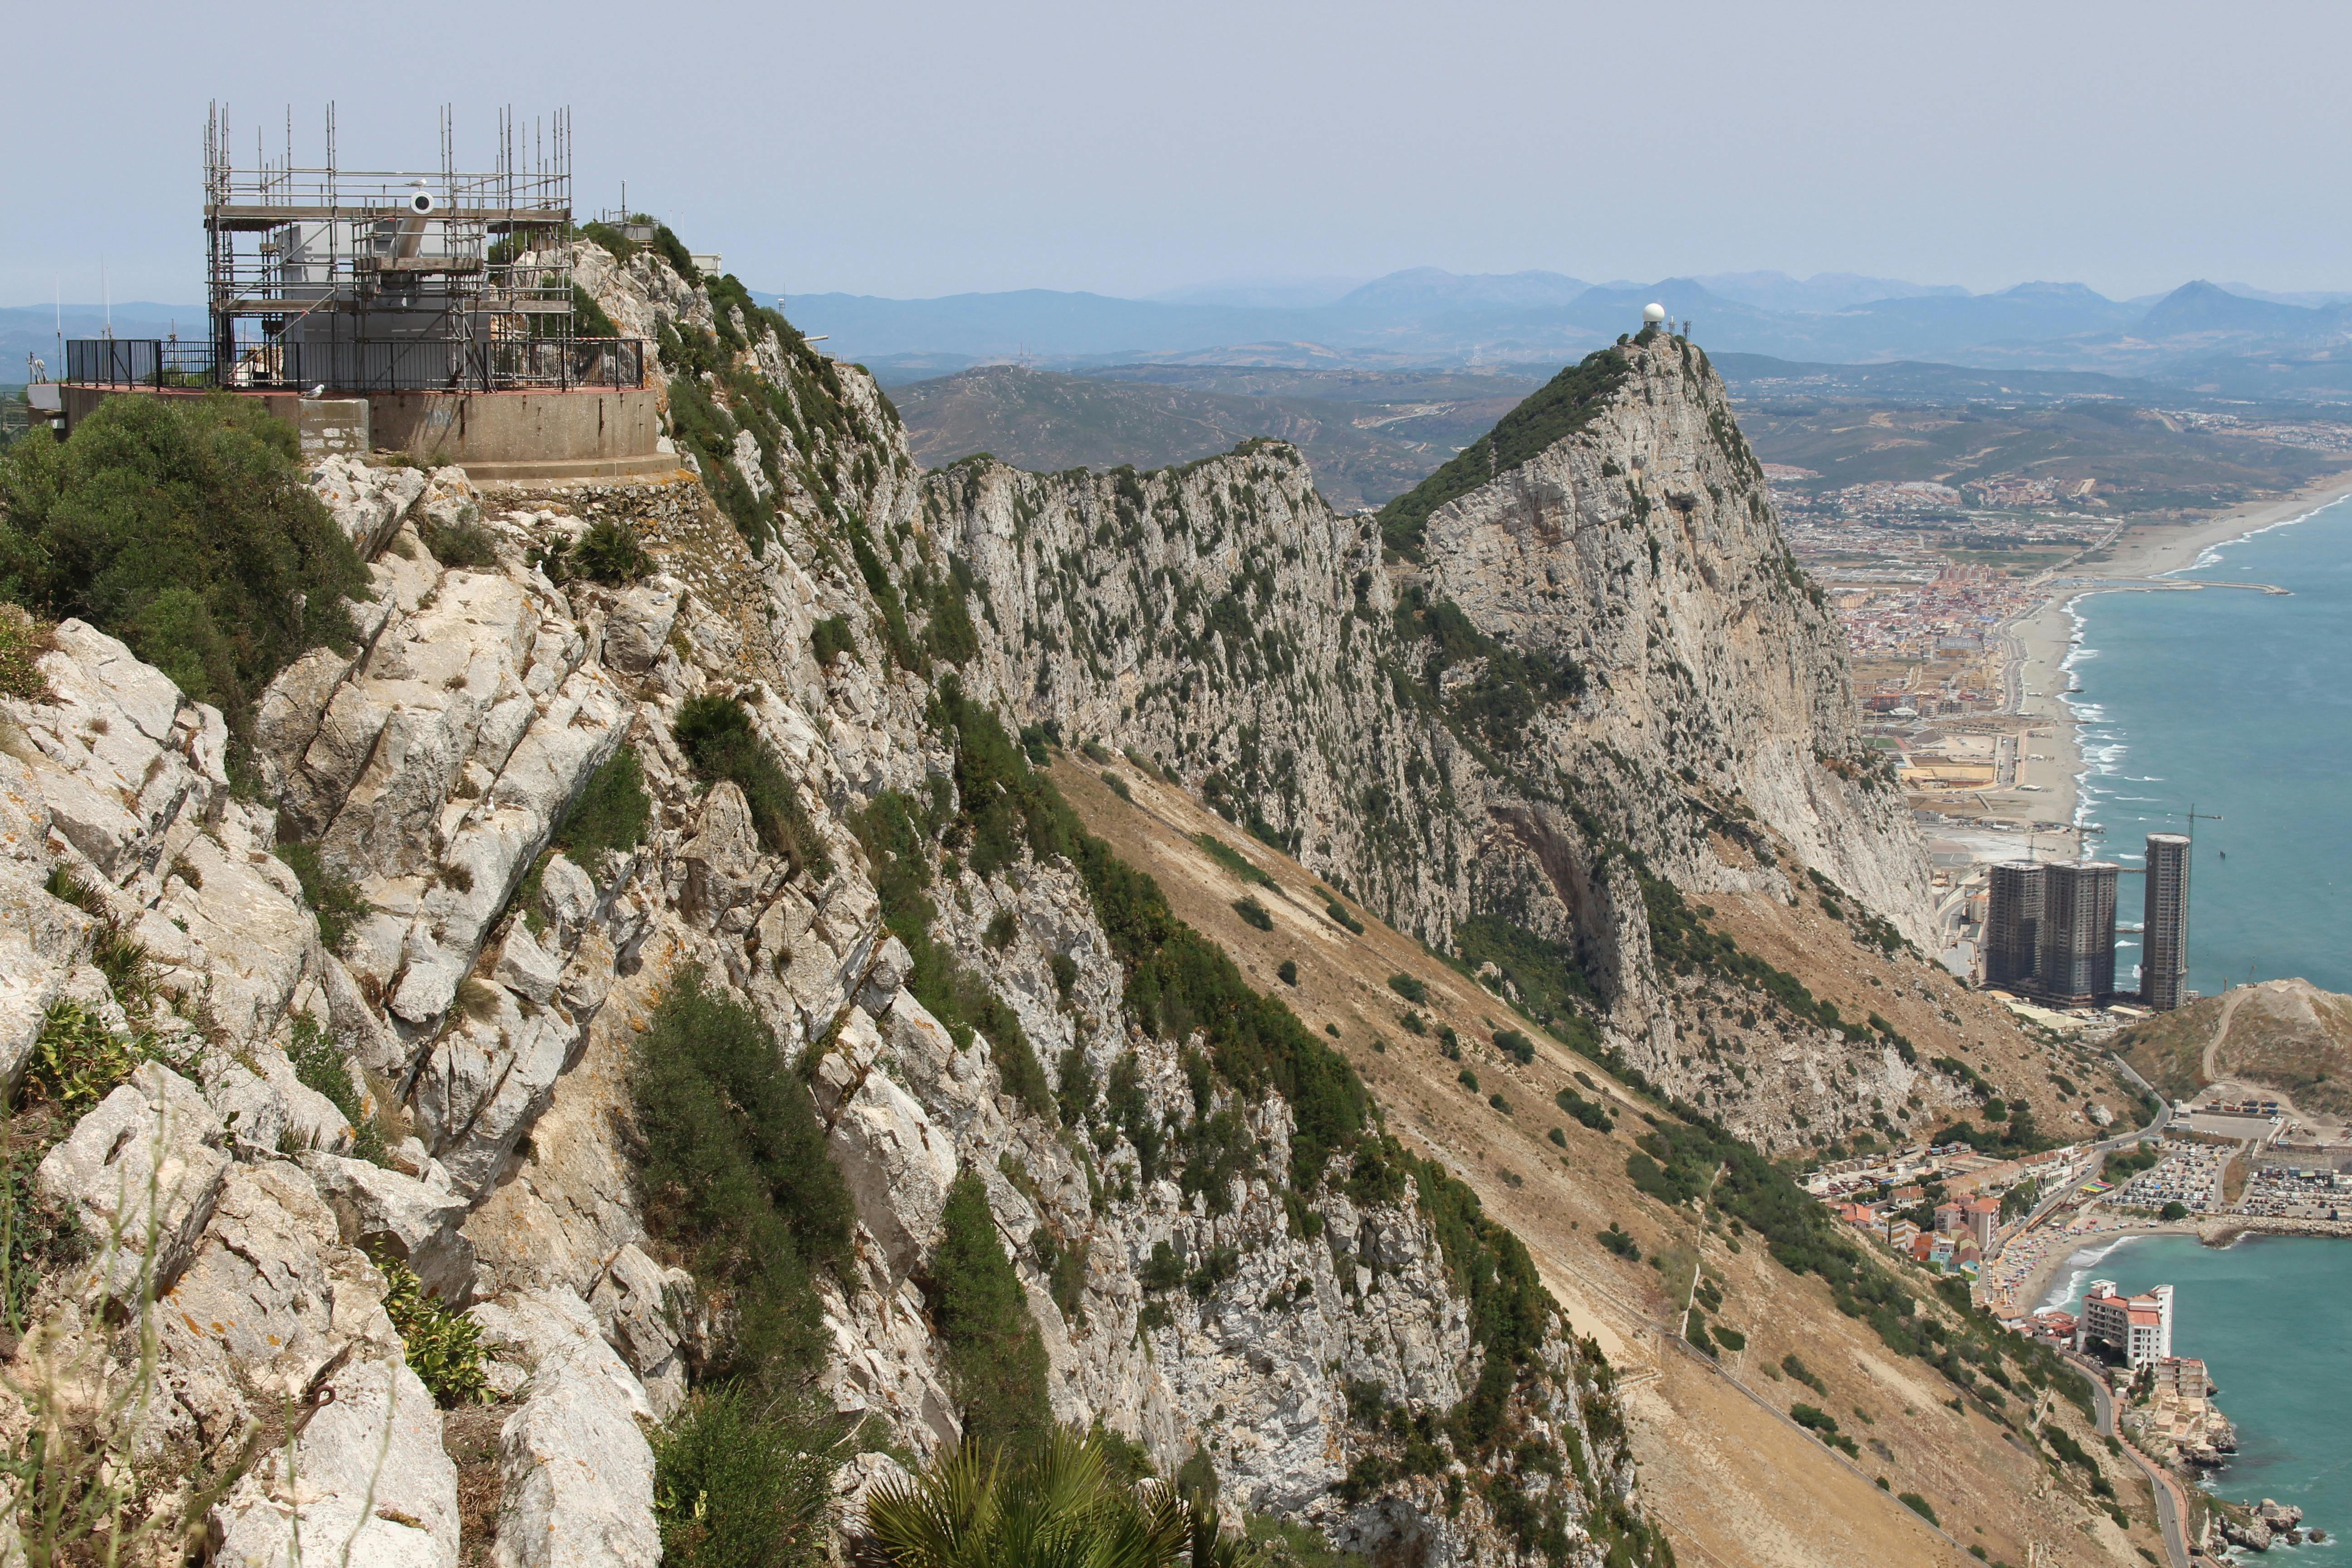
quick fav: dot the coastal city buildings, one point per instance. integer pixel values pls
(2050, 930)
(2164, 950)
(2139, 1326)
(2013, 953)
(2076, 932)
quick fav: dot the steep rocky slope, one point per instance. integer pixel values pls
(1262, 1282)
(1722, 1463)
(375, 1019)
(1531, 714)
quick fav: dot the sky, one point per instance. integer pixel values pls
(913, 148)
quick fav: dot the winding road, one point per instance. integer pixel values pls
(2171, 1508)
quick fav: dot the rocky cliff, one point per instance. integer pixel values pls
(1522, 713)
(363, 1027)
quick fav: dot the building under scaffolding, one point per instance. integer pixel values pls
(442, 298)
(364, 281)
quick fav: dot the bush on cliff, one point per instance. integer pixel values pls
(182, 526)
(734, 1175)
(720, 739)
(996, 1362)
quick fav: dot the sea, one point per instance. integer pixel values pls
(2237, 705)
(2272, 1319)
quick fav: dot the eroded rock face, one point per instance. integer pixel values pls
(1223, 622)
(488, 1000)
(140, 1174)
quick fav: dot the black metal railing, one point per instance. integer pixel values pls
(139, 362)
(416, 365)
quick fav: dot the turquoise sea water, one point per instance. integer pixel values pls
(2273, 1322)
(2239, 703)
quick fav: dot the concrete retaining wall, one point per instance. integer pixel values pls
(517, 426)
(598, 427)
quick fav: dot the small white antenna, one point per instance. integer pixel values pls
(106, 296)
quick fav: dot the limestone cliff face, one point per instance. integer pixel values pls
(1604, 647)
(488, 994)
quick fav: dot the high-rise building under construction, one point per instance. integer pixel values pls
(2164, 949)
(2076, 933)
(2012, 922)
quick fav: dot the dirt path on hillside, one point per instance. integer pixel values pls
(2221, 1033)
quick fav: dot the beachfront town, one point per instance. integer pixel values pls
(2008, 1226)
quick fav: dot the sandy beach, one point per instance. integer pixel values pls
(2042, 639)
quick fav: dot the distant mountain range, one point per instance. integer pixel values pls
(2230, 342)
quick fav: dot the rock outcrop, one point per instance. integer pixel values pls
(1597, 682)
(387, 1030)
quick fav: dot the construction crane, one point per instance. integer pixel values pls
(2195, 817)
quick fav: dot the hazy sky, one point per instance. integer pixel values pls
(930, 148)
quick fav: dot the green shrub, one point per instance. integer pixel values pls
(1618, 1242)
(1919, 1505)
(2175, 1210)
(319, 1065)
(830, 638)
(611, 815)
(113, 951)
(1499, 1103)
(1409, 987)
(1797, 1369)
(1254, 913)
(183, 527)
(1066, 974)
(720, 739)
(23, 640)
(76, 1060)
(900, 837)
(1516, 1046)
(443, 1346)
(40, 1237)
(608, 553)
(1286, 972)
(1729, 1338)
(995, 1360)
(1340, 916)
(334, 899)
(743, 1479)
(671, 250)
(1233, 860)
(1119, 786)
(734, 1174)
(459, 544)
(1585, 1110)
(588, 317)
(1467, 1079)
(620, 246)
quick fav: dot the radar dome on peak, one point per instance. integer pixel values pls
(1654, 314)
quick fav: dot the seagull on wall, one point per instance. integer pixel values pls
(318, 391)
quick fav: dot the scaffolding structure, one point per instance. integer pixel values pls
(362, 280)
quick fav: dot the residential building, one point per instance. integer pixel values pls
(2164, 950)
(1949, 1217)
(1983, 1220)
(2140, 1327)
(2076, 935)
(2012, 919)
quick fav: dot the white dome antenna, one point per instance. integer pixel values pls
(1653, 315)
